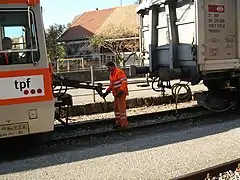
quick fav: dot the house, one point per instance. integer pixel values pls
(18, 42)
(76, 39)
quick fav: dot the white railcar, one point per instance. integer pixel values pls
(191, 40)
(26, 99)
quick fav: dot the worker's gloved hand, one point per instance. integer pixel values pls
(105, 94)
(119, 94)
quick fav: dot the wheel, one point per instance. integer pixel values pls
(214, 85)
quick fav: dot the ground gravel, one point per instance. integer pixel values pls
(133, 111)
(159, 156)
(228, 175)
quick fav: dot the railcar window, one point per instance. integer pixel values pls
(19, 40)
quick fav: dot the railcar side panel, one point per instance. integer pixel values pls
(208, 35)
(217, 35)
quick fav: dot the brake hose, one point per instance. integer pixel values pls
(60, 81)
(180, 97)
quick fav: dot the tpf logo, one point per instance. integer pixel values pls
(25, 87)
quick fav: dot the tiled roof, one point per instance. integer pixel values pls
(94, 22)
(122, 17)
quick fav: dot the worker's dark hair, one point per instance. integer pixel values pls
(110, 63)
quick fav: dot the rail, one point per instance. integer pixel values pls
(211, 172)
(87, 132)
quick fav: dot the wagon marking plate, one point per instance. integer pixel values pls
(11, 130)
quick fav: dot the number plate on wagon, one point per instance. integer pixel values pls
(11, 130)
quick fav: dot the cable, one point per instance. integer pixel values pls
(180, 97)
(222, 110)
(160, 84)
(156, 79)
(184, 97)
(59, 81)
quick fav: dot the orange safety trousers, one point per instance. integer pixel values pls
(118, 82)
(120, 111)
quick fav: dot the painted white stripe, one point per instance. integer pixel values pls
(124, 117)
(117, 86)
(122, 79)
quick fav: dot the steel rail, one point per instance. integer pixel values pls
(160, 117)
(155, 101)
(85, 132)
(211, 171)
(104, 126)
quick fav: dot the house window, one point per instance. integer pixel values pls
(113, 58)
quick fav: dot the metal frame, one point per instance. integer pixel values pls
(34, 21)
(63, 101)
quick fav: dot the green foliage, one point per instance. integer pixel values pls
(137, 2)
(98, 40)
(114, 38)
(52, 34)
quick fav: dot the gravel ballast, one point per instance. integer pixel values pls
(157, 156)
(131, 112)
(228, 175)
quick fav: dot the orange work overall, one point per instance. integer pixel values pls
(118, 82)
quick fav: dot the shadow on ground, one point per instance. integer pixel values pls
(152, 139)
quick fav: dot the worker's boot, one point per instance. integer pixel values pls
(124, 123)
(117, 124)
(124, 126)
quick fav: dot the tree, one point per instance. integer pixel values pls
(54, 50)
(117, 39)
(68, 25)
(137, 2)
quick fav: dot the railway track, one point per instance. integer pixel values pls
(100, 127)
(98, 131)
(136, 102)
(221, 171)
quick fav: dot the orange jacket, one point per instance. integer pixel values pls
(118, 82)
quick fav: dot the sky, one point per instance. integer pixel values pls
(63, 11)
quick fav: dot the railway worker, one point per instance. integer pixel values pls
(119, 88)
(6, 58)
